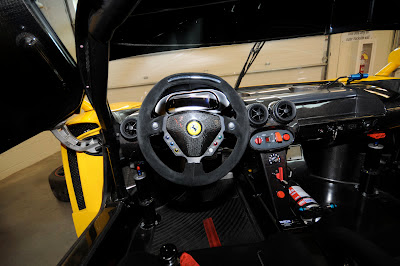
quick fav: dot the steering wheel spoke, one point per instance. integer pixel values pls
(191, 170)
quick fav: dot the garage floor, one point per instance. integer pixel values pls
(35, 228)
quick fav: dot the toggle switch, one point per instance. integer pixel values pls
(278, 137)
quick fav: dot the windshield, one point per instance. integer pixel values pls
(296, 60)
(217, 37)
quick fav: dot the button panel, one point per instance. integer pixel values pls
(271, 140)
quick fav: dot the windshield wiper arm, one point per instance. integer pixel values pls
(250, 59)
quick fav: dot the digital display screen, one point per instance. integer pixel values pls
(192, 101)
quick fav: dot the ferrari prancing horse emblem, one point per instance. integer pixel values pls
(193, 128)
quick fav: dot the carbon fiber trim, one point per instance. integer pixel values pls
(232, 221)
(193, 146)
(76, 179)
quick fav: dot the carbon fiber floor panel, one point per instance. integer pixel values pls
(232, 220)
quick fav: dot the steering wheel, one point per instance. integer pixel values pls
(192, 134)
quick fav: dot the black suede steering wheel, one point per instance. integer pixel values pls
(192, 134)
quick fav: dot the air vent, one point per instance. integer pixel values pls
(128, 128)
(284, 111)
(258, 114)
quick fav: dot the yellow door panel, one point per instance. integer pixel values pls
(91, 180)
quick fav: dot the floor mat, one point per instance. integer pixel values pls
(232, 220)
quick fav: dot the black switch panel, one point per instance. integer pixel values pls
(271, 140)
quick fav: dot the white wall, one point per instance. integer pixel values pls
(294, 60)
(56, 14)
(344, 55)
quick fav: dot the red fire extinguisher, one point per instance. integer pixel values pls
(364, 58)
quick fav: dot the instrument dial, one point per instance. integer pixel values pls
(274, 158)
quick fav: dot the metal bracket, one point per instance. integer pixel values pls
(62, 133)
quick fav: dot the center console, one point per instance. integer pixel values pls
(290, 205)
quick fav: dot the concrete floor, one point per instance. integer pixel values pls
(35, 228)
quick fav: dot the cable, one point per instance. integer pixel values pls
(326, 86)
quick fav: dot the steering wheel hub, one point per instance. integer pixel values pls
(193, 132)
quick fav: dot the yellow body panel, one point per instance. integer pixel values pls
(89, 115)
(90, 170)
(393, 64)
(370, 78)
(86, 117)
(91, 174)
(86, 106)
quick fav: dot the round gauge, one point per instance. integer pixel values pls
(274, 158)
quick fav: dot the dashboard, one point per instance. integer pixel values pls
(330, 113)
(280, 116)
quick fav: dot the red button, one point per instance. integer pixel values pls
(258, 140)
(278, 137)
(286, 137)
(280, 194)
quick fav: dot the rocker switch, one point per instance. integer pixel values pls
(279, 174)
(278, 137)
